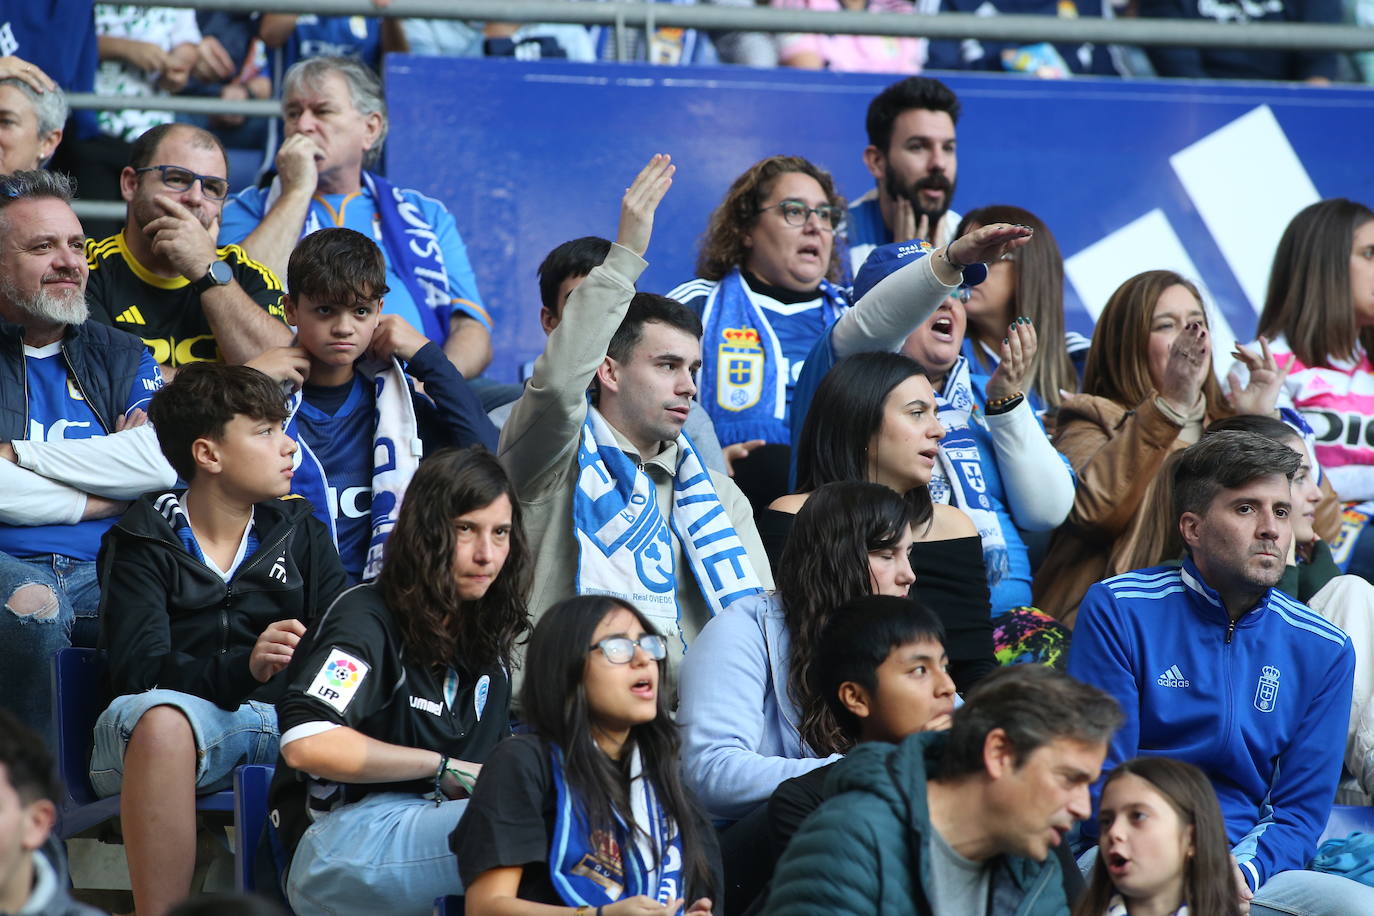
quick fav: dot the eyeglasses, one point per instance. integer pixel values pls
(179, 179)
(620, 649)
(796, 213)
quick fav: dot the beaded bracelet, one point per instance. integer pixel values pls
(1004, 405)
(439, 778)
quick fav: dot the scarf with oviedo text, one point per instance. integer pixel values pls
(625, 545)
(958, 475)
(742, 380)
(596, 867)
(396, 452)
(412, 250)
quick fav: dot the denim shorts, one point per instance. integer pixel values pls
(224, 739)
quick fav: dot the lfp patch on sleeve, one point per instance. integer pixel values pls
(339, 679)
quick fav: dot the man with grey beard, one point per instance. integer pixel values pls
(73, 442)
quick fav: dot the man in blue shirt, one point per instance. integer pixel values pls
(72, 394)
(1215, 666)
(336, 121)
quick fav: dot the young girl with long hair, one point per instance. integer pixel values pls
(748, 719)
(398, 695)
(1163, 846)
(1148, 391)
(1319, 320)
(588, 810)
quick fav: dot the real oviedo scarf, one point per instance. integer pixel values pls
(625, 544)
(596, 867)
(744, 381)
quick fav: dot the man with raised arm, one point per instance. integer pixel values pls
(617, 498)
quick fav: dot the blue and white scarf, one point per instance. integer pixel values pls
(743, 379)
(412, 250)
(595, 868)
(396, 451)
(624, 544)
(958, 475)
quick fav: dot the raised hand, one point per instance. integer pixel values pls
(180, 237)
(1017, 359)
(283, 364)
(274, 648)
(988, 243)
(1189, 356)
(213, 63)
(1260, 395)
(641, 200)
(17, 68)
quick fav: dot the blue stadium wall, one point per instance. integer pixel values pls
(1129, 176)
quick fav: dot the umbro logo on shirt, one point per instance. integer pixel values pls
(1172, 678)
(131, 315)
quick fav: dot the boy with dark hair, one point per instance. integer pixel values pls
(205, 593)
(963, 821)
(29, 883)
(912, 157)
(361, 424)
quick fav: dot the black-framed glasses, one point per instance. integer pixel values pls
(796, 213)
(179, 179)
(620, 649)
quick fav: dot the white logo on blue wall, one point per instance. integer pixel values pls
(1267, 690)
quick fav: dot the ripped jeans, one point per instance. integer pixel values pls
(50, 602)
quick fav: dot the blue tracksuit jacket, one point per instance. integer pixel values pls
(1261, 705)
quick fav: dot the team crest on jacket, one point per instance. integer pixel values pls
(1267, 690)
(739, 382)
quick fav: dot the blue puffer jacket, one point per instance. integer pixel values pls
(863, 851)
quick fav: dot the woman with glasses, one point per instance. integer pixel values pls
(766, 289)
(398, 695)
(588, 810)
(1026, 282)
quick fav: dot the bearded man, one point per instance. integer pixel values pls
(72, 438)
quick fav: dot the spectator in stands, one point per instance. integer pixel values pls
(294, 38)
(1315, 67)
(232, 66)
(523, 40)
(1052, 61)
(145, 51)
(665, 45)
(27, 51)
(966, 817)
(597, 777)
(874, 420)
(374, 776)
(994, 462)
(29, 882)
(765, 290)
(589, 473)
(1319, 318)
(205, 593)
(336, 120)
(33, 113)
(1148, 390)
(912, 157)
(561, 272)
(1029, 282)
(362, 426)
(69, 387)
(1173, 644)
(1163, 848)
(749, 717)
(854, 53)
(164, 278)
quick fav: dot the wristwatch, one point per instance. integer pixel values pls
(219, 273)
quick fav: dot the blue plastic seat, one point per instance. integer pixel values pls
(79, 697)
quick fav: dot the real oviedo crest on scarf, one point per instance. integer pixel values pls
(739, 383)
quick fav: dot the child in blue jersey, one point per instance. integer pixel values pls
(205, 593)
(362, 426)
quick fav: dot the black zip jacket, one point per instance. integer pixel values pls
(167, 620)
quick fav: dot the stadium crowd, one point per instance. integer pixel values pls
(837, 579)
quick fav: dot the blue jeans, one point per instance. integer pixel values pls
(387, 853)
(1312, 893)
(224, 739)
(61, 611)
